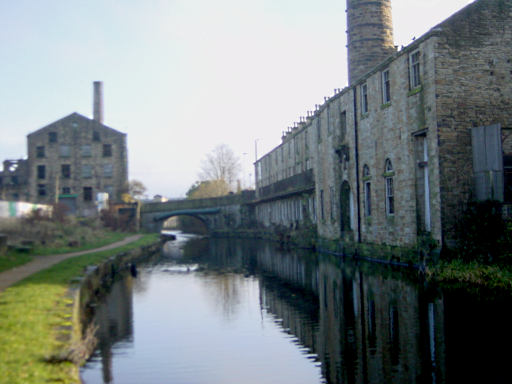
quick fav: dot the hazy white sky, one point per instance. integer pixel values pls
(180, 76)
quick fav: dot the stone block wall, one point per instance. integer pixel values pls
(473, 88)
(96, 157)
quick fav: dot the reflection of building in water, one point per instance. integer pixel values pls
(299, 313)
(368, 327)
(378, 329)
(114, 319)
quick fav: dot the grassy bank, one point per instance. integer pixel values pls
(35, 320)
(457, 273)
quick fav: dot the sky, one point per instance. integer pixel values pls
(180, 76)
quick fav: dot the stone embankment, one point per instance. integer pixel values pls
(86, 290)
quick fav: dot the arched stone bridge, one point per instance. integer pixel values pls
(217, 213)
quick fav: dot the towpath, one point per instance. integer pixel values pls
(11, 276)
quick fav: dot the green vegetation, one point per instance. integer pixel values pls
(35, 322)
(457, 273)
(38, 235)
(483, 257)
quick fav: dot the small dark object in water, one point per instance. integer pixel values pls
(133, 270)
(167, 236)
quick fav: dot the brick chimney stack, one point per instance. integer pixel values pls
(98, 102)
(369, 35)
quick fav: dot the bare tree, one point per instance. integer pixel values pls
(221, 164)
(136, 189)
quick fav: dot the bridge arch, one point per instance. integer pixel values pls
(206, 216)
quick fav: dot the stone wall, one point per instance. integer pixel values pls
(473, 88)
(96, 157)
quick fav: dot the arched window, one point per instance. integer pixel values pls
(367, 191)
(390, 198)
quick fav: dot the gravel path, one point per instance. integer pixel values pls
(11, 276)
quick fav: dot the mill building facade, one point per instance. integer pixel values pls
(72, 161)
(418, 133)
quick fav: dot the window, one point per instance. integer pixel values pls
(87, 193)
(386, 87)
(367, 191)
(41, 172)
(322, 211)
(107, 150)
(390, 198)
(318, 130)
(343, 124)
(66, 190)
(65, 171)
(52, 137)
(1, 181)
(414, 70)
(95, 136)
(109, 189)
(364, 98)
(86, 171)
(41, 189)
(85, 150)
(107, 170)
(65, 150)
(332, 203)
(40, 151)
(14, 180)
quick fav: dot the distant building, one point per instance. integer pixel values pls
(14, 180)
(73, 160)
(418, 133)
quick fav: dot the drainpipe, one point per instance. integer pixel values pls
(356, 149)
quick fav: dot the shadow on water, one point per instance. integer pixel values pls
(364, 323)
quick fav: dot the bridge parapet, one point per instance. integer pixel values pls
(244, 197)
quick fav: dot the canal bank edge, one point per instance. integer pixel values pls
(425, 257)
(85, 290)
(425, 253)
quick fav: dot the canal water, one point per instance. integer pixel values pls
(223, 311)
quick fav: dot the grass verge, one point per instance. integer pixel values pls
(16, 258)
(35, 313)
(458, 273)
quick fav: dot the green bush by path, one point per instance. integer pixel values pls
(35, 313)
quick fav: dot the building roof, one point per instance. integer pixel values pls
(76, 117)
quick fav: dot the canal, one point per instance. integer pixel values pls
(210, 311)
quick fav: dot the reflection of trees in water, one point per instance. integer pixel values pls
(225, 292)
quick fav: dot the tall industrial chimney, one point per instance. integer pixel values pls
(369, 35)
(98, 102)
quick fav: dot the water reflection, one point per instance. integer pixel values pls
(357, 323)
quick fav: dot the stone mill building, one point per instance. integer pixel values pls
(418, 133)
(73, 161)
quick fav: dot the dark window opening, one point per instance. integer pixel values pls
(87, 193)
(40, 151)
(41, 189)
(322, 211)
(41, 172)
(14, 180)
(65, 171)
(95, 136)
(66, 190)
(107, 150)
(386, 87)
(507, 173)
(364, 98)
(52, 137)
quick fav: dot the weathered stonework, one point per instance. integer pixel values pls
(392, 154)
(73, 159)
